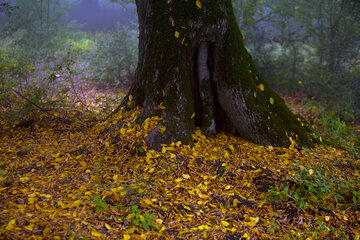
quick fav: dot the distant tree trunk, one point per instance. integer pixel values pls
(192, 60)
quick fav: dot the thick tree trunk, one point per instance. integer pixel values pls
(192, 61)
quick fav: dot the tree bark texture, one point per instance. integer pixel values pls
(192, 61)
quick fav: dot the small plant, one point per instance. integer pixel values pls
(99, 203)
(142, 220)
(139, 147)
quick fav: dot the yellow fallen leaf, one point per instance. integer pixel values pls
(177, 34)
(246, 236)
(252, 222)
(271, 101)
(107, 226)
(146, 200)
(46, 232)
(160, 107)
(151, 170)
(311, 172)
(127, 237)
(186, 176)
(162, 129)
(96, 234)
(122, 131)
(32, 200)
(77, 203)
(255, 231)
(198, 3)
(327, 218)
(47, 196)
(193, 115)
(261, 87)
(202, 227)
(83, 164)
(11, 225)
(30, 227)
(24, 179)
(255, 219)
(32, 195)
(225, 223)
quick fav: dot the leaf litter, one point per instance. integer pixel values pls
(95, 179)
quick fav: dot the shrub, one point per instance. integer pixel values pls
(114, 58)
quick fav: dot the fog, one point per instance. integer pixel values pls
(102, 15)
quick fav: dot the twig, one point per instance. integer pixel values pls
(22, 96)
(64, 120)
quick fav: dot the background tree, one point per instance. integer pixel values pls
(310, 46)
(34, 27)
(7, 8)
(194, 71)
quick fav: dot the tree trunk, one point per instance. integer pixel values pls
(192, 61)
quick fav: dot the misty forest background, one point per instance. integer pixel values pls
(62, 52)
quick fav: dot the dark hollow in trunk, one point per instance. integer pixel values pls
(193, 61)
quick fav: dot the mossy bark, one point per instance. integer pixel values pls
(192, 60)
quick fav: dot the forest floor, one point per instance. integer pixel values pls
(67, 175)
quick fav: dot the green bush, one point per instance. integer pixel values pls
(24, 89)
(114, 58)
(15, 73)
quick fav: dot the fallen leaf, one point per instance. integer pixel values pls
(11, 225)
(271, 101)
(198, 3)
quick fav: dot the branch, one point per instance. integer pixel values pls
(64, 120)
(22, 96)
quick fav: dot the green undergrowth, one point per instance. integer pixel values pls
(318, 184)
(333, 129)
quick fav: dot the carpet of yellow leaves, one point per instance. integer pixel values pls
(97, 180)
